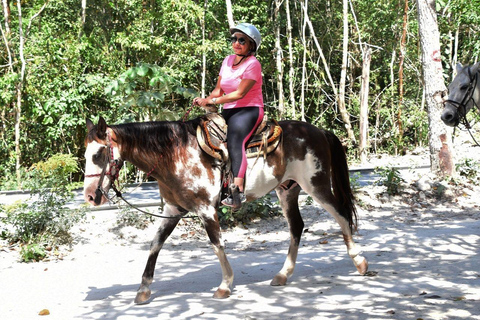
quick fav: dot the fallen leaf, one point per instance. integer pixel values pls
(459, 298)
(324, 242)
(391, 312)
(44, 312)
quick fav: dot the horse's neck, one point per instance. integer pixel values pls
(147, 143)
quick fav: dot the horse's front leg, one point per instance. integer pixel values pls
(212, 226)
(288, 197)
(165, 229)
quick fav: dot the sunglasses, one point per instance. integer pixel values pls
(241, 41)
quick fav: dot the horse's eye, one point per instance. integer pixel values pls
(98, 157)
(464, 87)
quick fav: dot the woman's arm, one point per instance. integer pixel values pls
(243, 88)
(217, 92)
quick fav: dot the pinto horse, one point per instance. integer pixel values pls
(190, 180)
(463, 95)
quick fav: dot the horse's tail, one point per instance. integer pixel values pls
(341, 181)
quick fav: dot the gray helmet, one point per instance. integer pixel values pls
(250, 31)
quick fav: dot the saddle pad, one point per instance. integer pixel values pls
(212, 134)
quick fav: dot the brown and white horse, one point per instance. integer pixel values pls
(190, 181)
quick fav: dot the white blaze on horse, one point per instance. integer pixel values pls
(190, 180)
(463, 95)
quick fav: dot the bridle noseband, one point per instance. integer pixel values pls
(462, 105)
(112, 173)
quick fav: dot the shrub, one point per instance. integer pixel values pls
(261, 207)
(390, 178)
(44, 218)
(470, 170)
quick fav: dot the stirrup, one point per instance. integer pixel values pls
(235, 199)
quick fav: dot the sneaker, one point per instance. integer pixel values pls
(229, 200)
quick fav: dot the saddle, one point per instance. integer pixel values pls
(212, 137)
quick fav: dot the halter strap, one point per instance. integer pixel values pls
(467, 98)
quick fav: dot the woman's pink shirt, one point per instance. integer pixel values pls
(231, 78)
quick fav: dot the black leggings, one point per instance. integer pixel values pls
(242, 123)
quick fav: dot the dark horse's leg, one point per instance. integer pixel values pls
(165, 229)
(289, 203)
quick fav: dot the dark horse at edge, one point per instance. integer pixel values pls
(190, 181)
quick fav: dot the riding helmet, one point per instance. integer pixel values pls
(251, 31)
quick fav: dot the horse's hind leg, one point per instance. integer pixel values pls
(165, 229)
(288, 197)
(327, 200)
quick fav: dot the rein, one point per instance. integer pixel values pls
(463, 104)
(112, 174)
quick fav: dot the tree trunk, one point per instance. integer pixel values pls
(291, 72)
(343, 72)
(441, 159)
(19, 89)
(400, 71)
(231, 22)
(343, 111)
(363, 139)
(204, 55)
(6, 15)
(278, 59)
(82, 19)
(304, 61)
(7, 47)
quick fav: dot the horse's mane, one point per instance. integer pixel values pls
(154, 138)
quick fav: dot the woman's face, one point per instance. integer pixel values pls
(241, 49)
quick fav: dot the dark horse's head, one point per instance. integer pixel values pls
(463, 94)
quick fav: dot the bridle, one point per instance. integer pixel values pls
(112, 173)
(462, 105)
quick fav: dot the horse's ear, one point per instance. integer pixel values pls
(459, 68)
(474, 68)
(89, 124)
(102, 128)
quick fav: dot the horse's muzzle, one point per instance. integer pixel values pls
(94, 197)
(450, 116)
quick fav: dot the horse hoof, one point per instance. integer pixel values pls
(279, 280)
(142, 296)
(362, 267)
(221, 294)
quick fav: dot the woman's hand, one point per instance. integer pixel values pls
(202, 102)
(205, 103)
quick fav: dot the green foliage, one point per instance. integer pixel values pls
(391, 179)
(470, 170)
(259, 208)
(354, 183)
(45, 216)
(146, 87)
(33, 252)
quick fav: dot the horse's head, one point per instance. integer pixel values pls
(102, 162)
(460, 95)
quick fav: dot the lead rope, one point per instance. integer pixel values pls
(119, 195)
